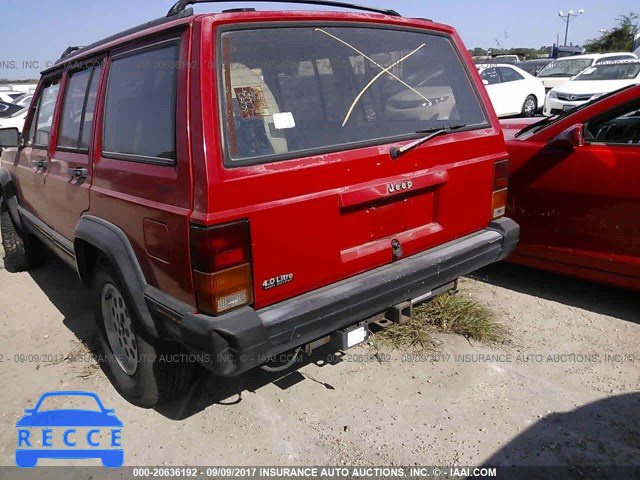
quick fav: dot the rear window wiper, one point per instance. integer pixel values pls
(397, 152)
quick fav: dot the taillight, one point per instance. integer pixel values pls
(221, 263)
(500, 184)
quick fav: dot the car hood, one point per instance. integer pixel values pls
(511, 126)
(593, 86)
(69, 418)
(552, 82)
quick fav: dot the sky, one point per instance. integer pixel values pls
(44, 28)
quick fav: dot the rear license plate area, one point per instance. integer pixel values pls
(351, 336)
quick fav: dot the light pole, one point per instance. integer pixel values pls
(567, 18)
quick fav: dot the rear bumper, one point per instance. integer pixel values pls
(245, 338)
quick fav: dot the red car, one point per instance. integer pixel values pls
(574, 188)
(242, 184)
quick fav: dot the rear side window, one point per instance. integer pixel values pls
(76, 120)
(491, 76)
(140, 108)
(41, 128)
(312, 88)
(509, 74)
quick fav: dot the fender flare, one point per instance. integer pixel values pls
(8, 191)
(114, 244)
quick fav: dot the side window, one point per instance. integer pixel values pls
(90, 106)
(491, 76)
(40, 132)
(140, 108)
(72, 107)
(509, 74)
(620, 128)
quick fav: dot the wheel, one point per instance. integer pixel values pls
(22, 251)
(144, 370)
(530, 106)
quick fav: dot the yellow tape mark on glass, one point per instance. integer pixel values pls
(374, 79)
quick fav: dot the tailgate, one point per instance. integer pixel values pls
(308, 114)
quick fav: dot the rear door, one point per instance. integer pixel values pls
(68, 177)
(32, 160)
(307, 134)
(513, 90)
(494, 89)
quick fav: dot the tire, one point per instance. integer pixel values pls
(530, 106)
(144, 370)
(22, 251)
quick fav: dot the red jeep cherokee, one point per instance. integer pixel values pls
(244, 183)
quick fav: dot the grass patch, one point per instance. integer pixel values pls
(447, 314)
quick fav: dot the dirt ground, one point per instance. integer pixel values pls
(565, 391)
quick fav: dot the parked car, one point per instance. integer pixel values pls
(512, 90)
(9, 96)
(573, 189)
(533, 67)
(237, 189)
(510, 59)
(592, 83)
(561, 70)
(24, 99)
(16, 120)
(7, 109)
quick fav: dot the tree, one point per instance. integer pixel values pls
(478, 52)
(619, 39)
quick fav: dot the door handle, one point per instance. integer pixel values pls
(78, 172)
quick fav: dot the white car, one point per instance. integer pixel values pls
(24, 99)
(512, 90)
(16, 120)
(9, 96)
(592, 83)
(561, 70)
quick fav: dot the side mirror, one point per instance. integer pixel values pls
(10, 137)
(569, 139)
(485, 81)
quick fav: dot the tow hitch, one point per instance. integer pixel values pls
(358, 333)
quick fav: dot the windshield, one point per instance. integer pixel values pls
(308, 88)
(545, 122)
(611, 71)
(20, 112)
(567, 67)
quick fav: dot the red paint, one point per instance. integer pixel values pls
(577, 209)
(322, 218)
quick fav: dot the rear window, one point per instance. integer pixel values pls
(296, 90)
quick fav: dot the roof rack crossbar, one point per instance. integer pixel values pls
(180, 5)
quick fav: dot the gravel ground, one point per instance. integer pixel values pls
(565, 391)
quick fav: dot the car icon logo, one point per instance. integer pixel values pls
(58, 433)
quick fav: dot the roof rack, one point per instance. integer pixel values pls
(182, 4)
(68, 51)
(124, 33)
